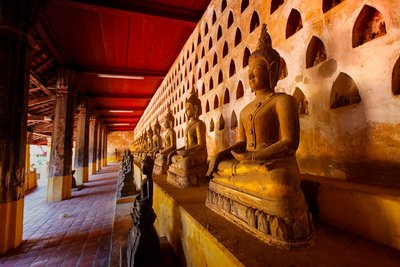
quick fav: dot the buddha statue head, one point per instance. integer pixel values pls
(169, 120)
(264, 64)
(193, 105)
(157, 127)
(149, 133)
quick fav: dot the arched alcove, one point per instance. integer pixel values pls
(216, 102)
(315, 52)
(215, 60)
(214, 17)
(283, 71)
(226, 97)
(254, 22)
(302, 103)
(211, 125)
(239, 90)
(211, 84)
(198, 39)
(232, 68)
(221, 123)
(220, 77)
(223, 5)
(219, 34)
(344, 92)
(396, 78)
(329, 4)
(203, 89)
(244, 5)
(230, 19)
(234, 121)
(369, 25)
(179, 134)
(246, 55)
(238, 37)
(206, 69)
(275, 4)
(202, 53)
(207, 106)
(192, 47)
(225, 50)
(180, 120)
(210, 44)
(199, 75)
(294, 23)
(206, 29)
(196, 60)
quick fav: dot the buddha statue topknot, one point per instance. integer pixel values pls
(189, 164)
(256, 181)
(160, 164)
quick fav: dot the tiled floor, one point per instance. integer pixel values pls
(74, 232)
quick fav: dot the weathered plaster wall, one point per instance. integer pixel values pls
(119, 141)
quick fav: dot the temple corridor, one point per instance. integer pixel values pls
(74, 232)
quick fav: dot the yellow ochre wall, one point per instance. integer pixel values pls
(119, 141)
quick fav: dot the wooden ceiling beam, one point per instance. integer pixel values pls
(187, 16)
(126, 96)
(40, 101)
(35, 80)
(116, 71)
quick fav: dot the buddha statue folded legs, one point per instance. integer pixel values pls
(189, 164)
(256, 181)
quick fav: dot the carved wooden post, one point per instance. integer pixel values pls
(16, 17)
(93, 129)
(104, 163)
(99, 146)
(60, 171)
(82, 144)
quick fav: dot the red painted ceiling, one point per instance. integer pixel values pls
(126, 37)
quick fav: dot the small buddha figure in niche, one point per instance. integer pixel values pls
(256, 181)
(149, 141)
(157, 140)
(189, 164)
(160, 164)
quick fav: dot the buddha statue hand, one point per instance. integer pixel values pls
(213, 165)
(243, 156)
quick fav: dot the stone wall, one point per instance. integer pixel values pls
(118, 141)
(341, 63)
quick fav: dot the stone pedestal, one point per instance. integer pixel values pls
(82, 144)
(187, 177)
(60, 173)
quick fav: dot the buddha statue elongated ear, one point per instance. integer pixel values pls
(269, 55)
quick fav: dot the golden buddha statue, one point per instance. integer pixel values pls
(149, 141)
(157, 140)
(189, 164)
(256, 181)
(160, 164)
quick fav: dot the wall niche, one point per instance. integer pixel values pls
(283, 71)
(225, 50)
(207, 106)
(254, 22)
(226, 97)
(212, 125)
(230, 19)
(220, 77)
(246, 56)
(315, 52)
(234, 121)
(232, 68)
(219, 33)
(396, 78)
(221, 123)
(301, 100)
(238, 37)
(344, 92)
(294, 23)
(275, 4)
(369, 25)
(216, 102)
(244, 5)
(239, 90)
(329, 4)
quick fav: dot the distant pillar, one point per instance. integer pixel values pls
(105, 147)
(100, 146)
(60, 173)
(93, 129)
(81, 162)
(16, 17)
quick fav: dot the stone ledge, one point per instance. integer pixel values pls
(200, 237)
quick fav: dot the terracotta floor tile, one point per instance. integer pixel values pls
(73, 232)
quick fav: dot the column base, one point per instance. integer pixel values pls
(59, 188)
(11, 224)
(81, 175)
(93, 167)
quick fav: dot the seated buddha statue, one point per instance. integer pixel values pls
(149, 142)
(157, 140)
(256, 181)
(189, 164)
(160, 164)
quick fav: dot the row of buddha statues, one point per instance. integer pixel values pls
(254, 183)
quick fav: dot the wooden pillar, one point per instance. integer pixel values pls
(93, 129)
(105, 147)
(99, 146)
(81, 162)
(16, 17)
(60, 173)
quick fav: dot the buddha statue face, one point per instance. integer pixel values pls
(258, 74)
(191, 110)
